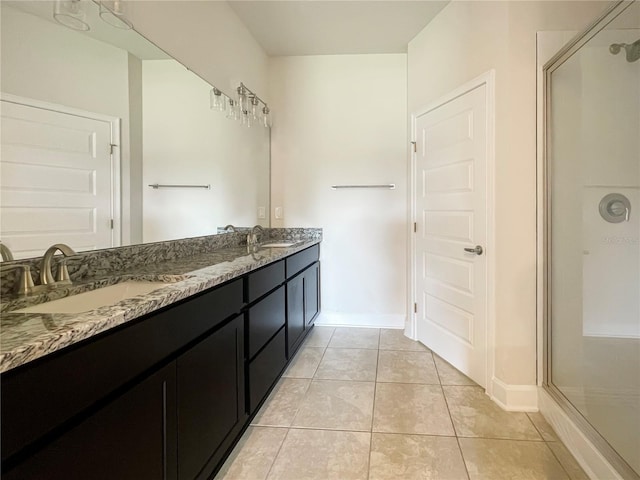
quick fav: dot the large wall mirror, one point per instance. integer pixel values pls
(91, 119)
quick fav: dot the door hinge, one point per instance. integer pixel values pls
(415, 308)
(415, 227)
(111, 223)
(111, 147)
(415, 147)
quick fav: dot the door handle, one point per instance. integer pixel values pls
(477, 250)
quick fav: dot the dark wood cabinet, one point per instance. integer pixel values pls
(295, 312)
(210, 399)
(311, 293)
(166, 396)
(303, 304)
(130, 438)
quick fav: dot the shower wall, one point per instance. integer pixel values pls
(595, 264)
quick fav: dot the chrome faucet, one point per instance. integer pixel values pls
(46, 277)
(252, 238)
(5, 253)
(231, 227)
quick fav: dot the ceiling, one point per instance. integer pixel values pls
(319, 27)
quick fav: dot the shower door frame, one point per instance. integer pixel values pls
(545, 228)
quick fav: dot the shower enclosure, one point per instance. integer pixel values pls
(592, 257)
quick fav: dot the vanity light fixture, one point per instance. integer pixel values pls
(71, 14)
(245, 107)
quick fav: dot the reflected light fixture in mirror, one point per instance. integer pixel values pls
(113, 13)
(71, 14)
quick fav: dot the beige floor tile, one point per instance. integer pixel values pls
(396, 340)
(405, 408)
(543, 427)
(355, 338)
(338, 405)
(322, 455)
(449, 375)
(304, 363)
(407, 367)
(570, 464)
(254, 454)
(418, 457)
(283, 403)
(319, 337)
(508, 459)
(475, 415)
(348, 364)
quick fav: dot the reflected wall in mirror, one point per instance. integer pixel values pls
(91, 119)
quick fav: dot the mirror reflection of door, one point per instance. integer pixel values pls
(57, 178)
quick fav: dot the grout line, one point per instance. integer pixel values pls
(537, 429)
(373, 408)
(273, 462)
(566, 470)
(446, 402)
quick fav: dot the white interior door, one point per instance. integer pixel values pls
(451, 216)
(56, 180)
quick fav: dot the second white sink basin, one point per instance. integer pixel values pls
(100, 297)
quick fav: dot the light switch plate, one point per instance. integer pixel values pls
(278, 212)
(261, 212)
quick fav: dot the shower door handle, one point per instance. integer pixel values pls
(477, 250)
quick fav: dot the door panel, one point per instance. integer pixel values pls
(450, 208)
(56, 181)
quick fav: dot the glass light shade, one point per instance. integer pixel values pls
(217, 101)
(244, 118)
(71, 14)
(243, 104)
(266, 117)
(254, 108)
(112, 12)
(233, 113)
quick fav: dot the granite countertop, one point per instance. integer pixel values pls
(28, 336)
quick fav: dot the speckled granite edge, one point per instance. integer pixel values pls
(99, 263)
(28, 336)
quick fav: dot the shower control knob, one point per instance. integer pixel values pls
(477, 250)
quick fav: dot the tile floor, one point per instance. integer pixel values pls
(360, 403)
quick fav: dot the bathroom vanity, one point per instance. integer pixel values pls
(164, 391)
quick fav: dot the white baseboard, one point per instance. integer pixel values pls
(590, 459)
(335, 319)
(514, 398)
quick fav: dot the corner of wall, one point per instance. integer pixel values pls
(514, 398)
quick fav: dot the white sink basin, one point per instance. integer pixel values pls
(101, 297)
(279, 244)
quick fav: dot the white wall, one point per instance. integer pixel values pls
(199, 146)
(208, 37)
(465, 40)
(342, 120)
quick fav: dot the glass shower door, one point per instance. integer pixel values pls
(593, 184)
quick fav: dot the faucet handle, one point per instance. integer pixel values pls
(63, 272)
(25, 283)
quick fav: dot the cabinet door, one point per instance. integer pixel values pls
(210, 398)
(311, 293)
(295, 311)
(128, 439)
